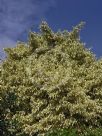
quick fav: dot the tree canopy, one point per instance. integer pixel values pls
(52, 81)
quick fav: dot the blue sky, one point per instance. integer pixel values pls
(17, 17)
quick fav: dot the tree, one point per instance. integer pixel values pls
(51, 82)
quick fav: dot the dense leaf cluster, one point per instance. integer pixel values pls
(51, 82)
(76, 132)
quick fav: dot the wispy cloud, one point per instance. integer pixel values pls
(17, 17)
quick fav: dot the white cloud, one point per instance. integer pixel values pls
(17, 17)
